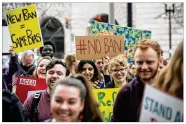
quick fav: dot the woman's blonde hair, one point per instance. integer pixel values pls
(118, 60)
(40, 59)
(170, 79)
(69, 59)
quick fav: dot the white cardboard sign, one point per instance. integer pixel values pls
(161, 107)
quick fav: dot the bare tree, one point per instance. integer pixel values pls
(177, 17)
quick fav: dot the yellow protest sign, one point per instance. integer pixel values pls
(24, 28)
(106, 99)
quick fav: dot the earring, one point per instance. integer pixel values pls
(81, 117)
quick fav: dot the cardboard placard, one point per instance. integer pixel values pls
(26, 84)
(106, 99)
(24, 28)
(96, 47)
(132, 36)
(158, 106)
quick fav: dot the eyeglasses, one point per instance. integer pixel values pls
(119, 70)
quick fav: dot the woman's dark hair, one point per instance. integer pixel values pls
(57, 61)
(91, 112)
(71, 81)
(80, 68)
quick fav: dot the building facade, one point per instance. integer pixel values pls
(73, 20)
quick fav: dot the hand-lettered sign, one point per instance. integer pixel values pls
(96, 47)
(132, 36)
(161, 107)
(24, 28)
(26, 84)
(106, 99)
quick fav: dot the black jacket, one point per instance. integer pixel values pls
(25, 71)
(128, 102)
(7, 76)
(110, 84)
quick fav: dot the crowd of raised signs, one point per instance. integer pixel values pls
(64, 88)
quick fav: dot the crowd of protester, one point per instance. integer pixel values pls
(70, 83)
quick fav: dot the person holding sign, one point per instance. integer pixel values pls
(164, 101)
(39, 72)
(90, 71)
(7, 76)
(37, 106)
(147, 56)
(170, 79)
(25, 68)
(118, 71)
(35, 82)
(72, 100)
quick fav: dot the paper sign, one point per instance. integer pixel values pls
(6, 40)
(24, 28)
(106, 99)
(161, 107)
(26, 84)
(132, 36)
(96, 47)
(33, 92)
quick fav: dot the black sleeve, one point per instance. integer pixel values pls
(121, 109)
(107, 79)
(13, 65)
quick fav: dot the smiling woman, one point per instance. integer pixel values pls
(40, 70)
(90, 71)
(72, 100)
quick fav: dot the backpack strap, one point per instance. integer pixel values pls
(34, 109)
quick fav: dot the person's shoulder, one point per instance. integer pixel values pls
(135, 81)
(29, 99)
(127, 87)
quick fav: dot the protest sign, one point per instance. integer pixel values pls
(132, 36)
(33, 92)
(26, 84)
(6, 42)
(24, 28)
(161, 107)
(96, 47)
(106, 99)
